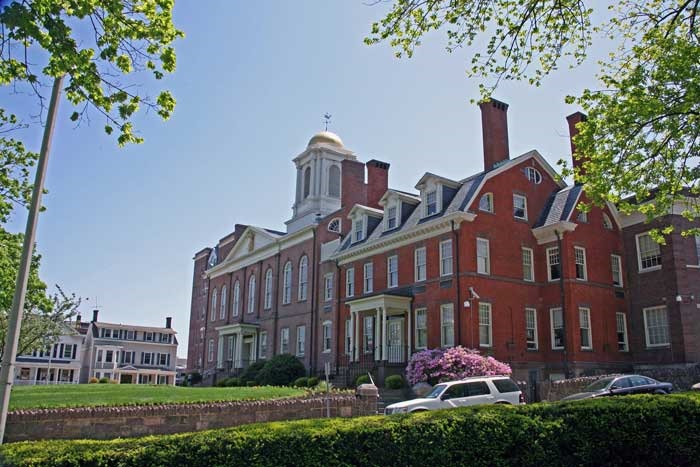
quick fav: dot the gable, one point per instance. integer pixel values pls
(252, 239)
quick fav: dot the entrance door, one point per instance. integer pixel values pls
(395, 348)
(126, 379)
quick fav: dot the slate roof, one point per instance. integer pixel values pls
(559, 206)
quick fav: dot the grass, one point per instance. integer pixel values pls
(90, 395)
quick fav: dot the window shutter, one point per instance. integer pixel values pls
(141, 358)
(55, 349)
(75, 351)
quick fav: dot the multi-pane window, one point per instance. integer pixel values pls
(447, 325)
(287, 283)
(446, 258)
(421, 328)
(648, 253)
(528, 264)
(392, 271)
(519, 207)
(616, 265)
(553, 266)
(268, 289)
(213, 305)
(531, 328)
(284, 340)
(582, 217)
(485, 338)
(303, 277)
(236, 298)
(420, 262)
(368, 277)
(368, 334)
(350, 282)
(391, 218)
(222, 313)
(301, 340)
(327, 336)
(621, 328)
(486, 202)
(656, 326)
(556, 320)
(483, 260)
(348, 337)
(251, 294)
(263, 344)
(607, 223)
(533, 175)
(210, 350)
(580, 257)
(229, 347)
(334, 225)
(584, 319)
(359, 230)
(431, 203)
(328, 287)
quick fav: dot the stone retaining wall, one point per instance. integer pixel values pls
(131, 421)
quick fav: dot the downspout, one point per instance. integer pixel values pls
(314, 319)
(563, 300)
(337, 315)
(459, 294)
(205, 348)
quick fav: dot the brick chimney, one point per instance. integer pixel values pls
(494, 128)
(168, 322)
(576, 159)
(377, 182)
(94, 315)
(353, 189)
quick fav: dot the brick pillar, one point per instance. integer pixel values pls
(576, 159)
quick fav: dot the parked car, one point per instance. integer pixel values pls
(461, 393)
(620, 386)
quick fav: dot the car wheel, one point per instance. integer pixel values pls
(502, 403)
(660, 392)
(418, 411)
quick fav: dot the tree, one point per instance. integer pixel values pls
(642, 134)
(436, 365)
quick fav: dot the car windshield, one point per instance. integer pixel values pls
(598, 385)
(436, 391)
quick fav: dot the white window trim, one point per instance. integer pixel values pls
(363, 230)
(268, 290)
(388, 272)
(350, 282)
(537, 340)
(251, 296)
(213, 304)
(326, 325)
(303, 287)
(287, 283)
(537, 175)
(619, 267)
(443, 273)
(415, 327)
(302, 342)
(438, 200)
(370, 282)
(549, 265)
(415, 264)
(397, 207)
(488, 196)
(488, 255)
(590, 327)
(328, 291)
(551, 328)
(624, 325)
(284, 332)
(236, 297)
(585, 263)
(639, 254)
(607, 223)
(262, 351)
(340, 225)
(532, 263)
(646, 327)
(486, 305)
(443, 308)
(222, 305)
(516, 195)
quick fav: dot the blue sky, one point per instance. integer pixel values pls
(253, 80)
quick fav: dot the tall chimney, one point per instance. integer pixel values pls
(377, 182)
(494, 128)
(352, 185)
(576, 158)
(94, 315)
(168, 322)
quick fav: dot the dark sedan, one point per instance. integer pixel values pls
(620, 386)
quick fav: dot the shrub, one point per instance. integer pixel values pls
(631, 430)
(313, 381)
(393, 382)
(233, 382)
(362, 379)
(250, 384)
(321, 386)
(195, 377)
(281, 370)
(93, 380)
(301, 382)
(113, 381)
(251, 372)
(104, 380)
(435, 365)
(221, 383)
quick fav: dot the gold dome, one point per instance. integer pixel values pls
(326, 137)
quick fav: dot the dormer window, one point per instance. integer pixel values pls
(358, 231)
(431, 203)
(486, 202)
(533, 175)
(391, 218)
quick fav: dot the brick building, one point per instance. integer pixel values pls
(502, 261)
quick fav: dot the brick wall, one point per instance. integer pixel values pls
(113, 422)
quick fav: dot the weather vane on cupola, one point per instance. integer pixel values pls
(327, 118)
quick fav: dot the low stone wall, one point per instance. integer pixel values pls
(681, 378)
(131, 421)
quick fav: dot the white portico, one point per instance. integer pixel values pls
(241, 343)
(381, 328)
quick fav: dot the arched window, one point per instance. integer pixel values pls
(334, 181)
(607, 223)
(236, 298)
(486, 202)
(222, 314)
(287, 283)
(307, 182)
(334, 225)
(213, 305)
(251, 294)
(268, 289)
(303, 277)
(533, 175)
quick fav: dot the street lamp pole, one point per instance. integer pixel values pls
(7, 375)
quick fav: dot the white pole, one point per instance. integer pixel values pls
(15, 319)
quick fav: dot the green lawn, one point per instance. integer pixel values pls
(83, 395)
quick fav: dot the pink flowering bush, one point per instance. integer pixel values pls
(436, 365)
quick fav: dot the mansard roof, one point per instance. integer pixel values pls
(559, 206)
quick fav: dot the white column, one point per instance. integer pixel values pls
(356, 337)
(408, 334)
(254, 354)
(384, 339)
(220, 352)
(377, 337)
(239, 350)
(352, 336)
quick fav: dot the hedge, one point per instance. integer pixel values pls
(635, 430)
